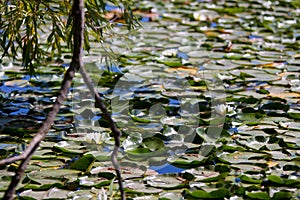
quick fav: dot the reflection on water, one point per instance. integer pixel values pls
(166, 169)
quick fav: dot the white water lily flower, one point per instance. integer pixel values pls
(97, 138)
(224, 76)
(62, 144)
(223, 109)
(170, 52)
(205, 15)
(220, 109)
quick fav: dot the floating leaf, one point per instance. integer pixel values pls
(248, 179)
(68, 147)
(49, 173)
(166, 181)
(257, 195)
(275, 179)
(244, 157)
(282, 195)
(84, 163)
(153, 143)
(140, 188)
(216, 194)
(53, 193)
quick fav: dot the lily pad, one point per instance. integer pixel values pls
(216, 194)
(244, 157)
(84, 163)
(165, 181)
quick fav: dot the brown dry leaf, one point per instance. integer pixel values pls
(271, 65)
(116, 13)
(287, 95)
(284, 74)
(211, 33)
(153, 16)
(187, 70)
(15, 83)
(150, 172)
(272, 164)
(297, 55)
(109, 16)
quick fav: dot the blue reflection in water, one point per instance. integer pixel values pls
(9, 89)
(96, 118)
(145, 19)
(255, 37)
(65, 65)
(39, 117)
(166, 168)
(174, 102)
(21, 111)
(79, 118)
(213, 25)
(182, 55)
(27, 77)
(114, 68)
(111, 7)
(111, 68)
(201, 68)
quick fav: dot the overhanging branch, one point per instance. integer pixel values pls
(78, 23)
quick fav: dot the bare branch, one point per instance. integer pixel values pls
(116, 132)
(78, 23)
(76, 64)
(10, 160)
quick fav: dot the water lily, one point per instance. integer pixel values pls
(97, 138)
(170, 52)
(223, 109)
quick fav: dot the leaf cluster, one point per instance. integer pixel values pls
(39, 29)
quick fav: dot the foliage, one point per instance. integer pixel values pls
(256, 156)
(39, 29)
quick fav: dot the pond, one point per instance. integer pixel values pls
(206, 94)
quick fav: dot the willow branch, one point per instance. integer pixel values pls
(116, 132)
(78, 24)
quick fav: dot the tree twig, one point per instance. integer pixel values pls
(78, 24)
(76, 65)
(116, 132)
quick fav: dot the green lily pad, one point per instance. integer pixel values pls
(257, 195)
(53, 193)
(244, 157)
(69, 147)
(134, 187)
(275, 179)
(216, 194)
(249, 179)
(290, 125)
(188, 161)
(56, 174)
(153, 143)
(171, 62)
(84, 163)
(165, 181)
